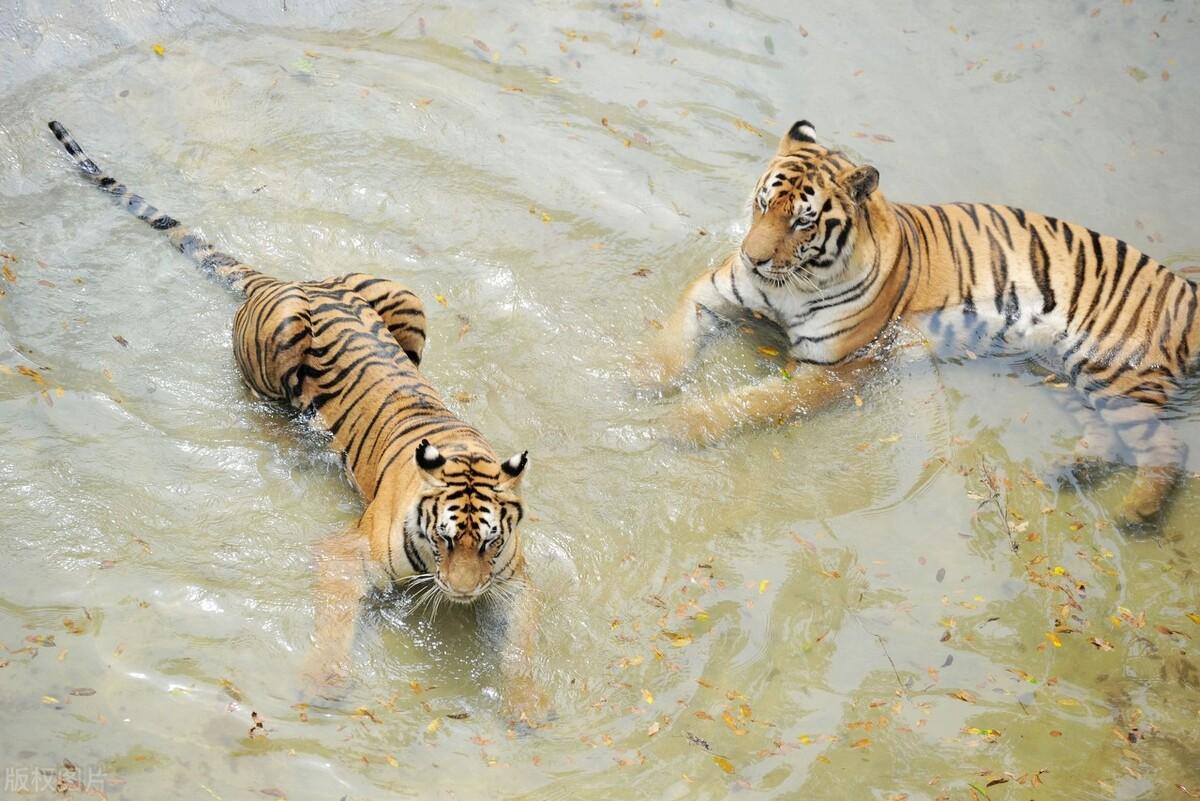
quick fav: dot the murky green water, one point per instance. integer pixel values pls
(826, 611)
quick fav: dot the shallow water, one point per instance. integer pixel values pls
(831, 610)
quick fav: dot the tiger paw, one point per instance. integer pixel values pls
(1081, 470)
(324, 679)
(699, 423)
(527, 705)
(654, 372)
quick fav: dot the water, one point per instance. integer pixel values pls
(843, 589)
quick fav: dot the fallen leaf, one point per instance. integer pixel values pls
(83, 691)
(723, 763)
(8, 274)
(863, 743)
(158, 49)
(767, 350)
(120, 340)
(649, 696)
(1103, 645)
(433, 726)
(653, 729)
(1137, 73)
(963, 695)
(440, 298)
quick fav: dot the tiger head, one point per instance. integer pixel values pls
(463, 530)
(808, 210)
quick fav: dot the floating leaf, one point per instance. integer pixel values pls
(863, 743)
(767, 350)
(653, 729)
(649, 696)
(1137, 73)
(762, 586)
(120, 340)
(1103, 645)
(732, 724)
(49, 699)
(440, 298)
(1194, 617)
(391, 760)
(83, 691)
(963, 695)
(158, 49)
(723, 763)
(8, 274)
(433, 726)
(891, 439)
(679, 641)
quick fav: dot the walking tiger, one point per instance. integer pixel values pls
(834, 263)
(441, 509)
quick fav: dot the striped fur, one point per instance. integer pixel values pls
(835, 264)
(345, 351)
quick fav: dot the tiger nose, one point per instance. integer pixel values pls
(757, 262)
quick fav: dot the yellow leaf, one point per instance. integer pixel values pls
(1059, 570)
(732, 724)
(441, 299)
(681, 640)
(858, 401)
(963, 695)
(1053, 638)
(805, 739)
(158, 49)
(653, 729)
(762, 586)
(545, 217)
(1194, 617)
(767, 350)
(9, 275)
(433, 726)
(49, 699)
(891, 439)
(863, 743)
(658, 34)
(391, 760)
(723, 763)
(649, 696)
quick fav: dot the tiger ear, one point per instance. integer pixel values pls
(513, 469)
(861, 182)
(430, 462)
(801, 132)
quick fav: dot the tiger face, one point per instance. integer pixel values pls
(462, 531)
(806, 214)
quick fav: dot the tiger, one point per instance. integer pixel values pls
(441, 509)
(838, 267)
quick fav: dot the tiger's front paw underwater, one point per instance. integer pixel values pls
(697, 423)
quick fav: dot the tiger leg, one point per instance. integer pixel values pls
(341, 583)
(700, 313)
(1159, 455)
(401, 310)
(271, 339)
(772, 401)
(1096, 452)
(523, 697)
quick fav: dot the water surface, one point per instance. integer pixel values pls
(829, 610)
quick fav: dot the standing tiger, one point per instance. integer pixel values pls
(834, 263)
(441, 509)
